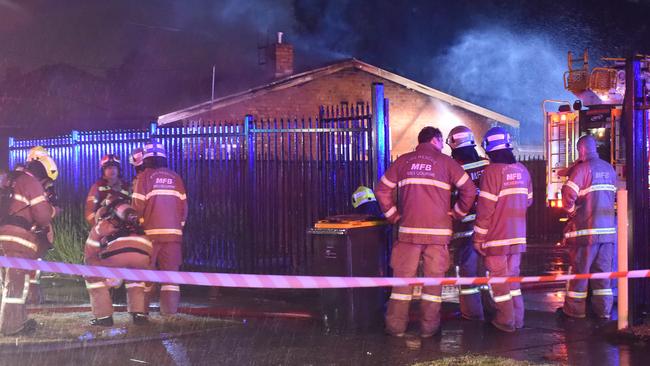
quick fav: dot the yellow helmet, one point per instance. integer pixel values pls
(49, 165)
(362, 195)
(35, 152)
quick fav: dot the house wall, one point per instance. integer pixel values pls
(409, 110)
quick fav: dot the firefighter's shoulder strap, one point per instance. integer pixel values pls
(7, 185)
(7, 188)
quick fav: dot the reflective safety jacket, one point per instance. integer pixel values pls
(588, 196)
(98, 248)
(464, 228)
(159, 198)
(28, 209)
(98, 193)
(422, 181)
(506, 193)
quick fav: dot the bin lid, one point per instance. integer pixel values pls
(349, 222)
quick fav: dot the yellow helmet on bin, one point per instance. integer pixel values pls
(362, 195)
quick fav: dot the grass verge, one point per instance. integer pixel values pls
(476, 360)
(74, 327)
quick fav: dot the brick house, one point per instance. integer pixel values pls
(412, 105)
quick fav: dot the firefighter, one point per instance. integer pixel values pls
(424, 180)
(506, 192)
(461, 142)
(110, 181)
(159, 198)
(588, 197)
(24, 232)
(117, 240)
(35, 153)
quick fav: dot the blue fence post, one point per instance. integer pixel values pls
(5, 152)
(75, 138)
(248, 145)
(387, 138)
(153, 129)
(378, 130)
(249, 194)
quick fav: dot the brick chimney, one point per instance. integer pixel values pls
(281, 58)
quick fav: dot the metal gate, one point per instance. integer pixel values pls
(254, 186)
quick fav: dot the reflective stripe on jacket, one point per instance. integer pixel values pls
(98, 193)
(506, 193)
(465, 228)
(92, 249)
(31, 206)
(588, 196)
(424, 179)
(159, 198)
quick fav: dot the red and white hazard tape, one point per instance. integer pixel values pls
(274, 281)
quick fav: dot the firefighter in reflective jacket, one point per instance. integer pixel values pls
(24, 232)
(424, 179)
(109, 182)
(35, 153)
(159, 198)
(588, 197)
(117, 240)
(506, 192)
(461, 142)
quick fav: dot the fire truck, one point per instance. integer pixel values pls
(597, 111)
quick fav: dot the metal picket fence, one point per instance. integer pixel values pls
(254, 186)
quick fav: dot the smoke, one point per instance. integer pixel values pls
(232, 35)
(158, 56)
(12, 15)
(506, 71)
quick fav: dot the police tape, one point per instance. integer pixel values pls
(285, 282)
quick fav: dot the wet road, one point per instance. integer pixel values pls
(278, 341)
(297, 342)
(545, 260)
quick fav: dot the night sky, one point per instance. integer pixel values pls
(82, 63)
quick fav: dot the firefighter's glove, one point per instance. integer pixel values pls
(103, 242)
(41, 231)
(573, 213)
(394, 218)
(52, 197)
(479, 248)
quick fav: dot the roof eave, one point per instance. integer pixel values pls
(312, 74)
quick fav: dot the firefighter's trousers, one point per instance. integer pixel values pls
(404, 260)
(507, 297)
(467, 259)
(167, 256)
(593, 258)
(98, 289)
(13, 313)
